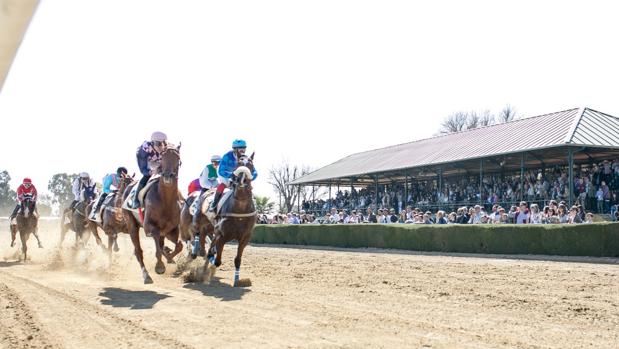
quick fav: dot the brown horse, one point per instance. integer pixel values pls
(27, 223)
(77, 220)
(112, 218)
(189, 231)
(161, 214)
(236, 219)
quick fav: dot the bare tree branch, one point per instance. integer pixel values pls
(507, 114)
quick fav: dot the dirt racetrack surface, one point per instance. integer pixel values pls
(309, 298)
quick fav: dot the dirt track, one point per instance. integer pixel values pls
(305, 298)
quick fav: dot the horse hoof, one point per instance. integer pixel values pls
(116, 249)
(12, 244)
(193, 256)
(160, 268)
(202, 253)
(148, 280)
(40, 245)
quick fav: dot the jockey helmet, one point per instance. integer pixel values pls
(239, 143)
(27, 181)
(215, 158)
(84, 175)
(158, 137)
(121, 170)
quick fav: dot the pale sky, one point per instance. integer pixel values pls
(308, 81)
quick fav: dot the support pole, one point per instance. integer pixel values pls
(405, 188)
(440, 185)
(376, 191)
(481, 181)
(522, 177)
(329, 195)
(570, 171)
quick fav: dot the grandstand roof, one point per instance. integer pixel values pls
(578, 127)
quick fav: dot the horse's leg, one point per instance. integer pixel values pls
(24, 247)
(174, 236)
(116, 249)
(36, 235)
(135, 239)
(156, 235)
(63, 229)
(13, 234)
(202, 251)
(110, 242)
(95, 232)
(237, 260)
(195, 247)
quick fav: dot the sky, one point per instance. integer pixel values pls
(308, 82)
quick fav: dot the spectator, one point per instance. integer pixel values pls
(522, 215)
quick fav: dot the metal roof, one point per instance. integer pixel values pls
(578, 127)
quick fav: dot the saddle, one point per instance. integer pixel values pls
(205, 206)
(206, 199)
(140, 195)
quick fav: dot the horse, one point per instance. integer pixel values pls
(27, 223)
(161, 214)
(112, 218)
(195, 235)
(236, 219)
(77, 219)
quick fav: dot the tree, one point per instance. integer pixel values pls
(455, 122)
(264, 205)
(462, 121)
(507, 114)
(61, 188)
(8, 196)
(45, 204)
(280, 176)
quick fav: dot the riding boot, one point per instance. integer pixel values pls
(213, 206)
(196, 215)
(14, 214)
(136, 201)
(96, 208)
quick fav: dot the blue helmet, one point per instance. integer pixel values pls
(239, 143)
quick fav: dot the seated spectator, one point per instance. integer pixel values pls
(573, 216)
(393, 218)
(370, 217)
(536, 216)
(589, 218)
(440, 217)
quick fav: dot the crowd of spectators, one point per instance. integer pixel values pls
(595, 189)
(554, 213)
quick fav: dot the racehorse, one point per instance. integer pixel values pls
(236, 218)
(27, 223)
(161, 213)
(189, 231)
(112, 218)
(77, 219)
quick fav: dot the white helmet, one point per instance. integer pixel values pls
(84, 175)
(216, 158)
(158, 137)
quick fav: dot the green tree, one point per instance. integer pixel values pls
(8, 196)
(61, 188)
(264, 205)
(45, 203)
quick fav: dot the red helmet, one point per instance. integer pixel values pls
(27, 181)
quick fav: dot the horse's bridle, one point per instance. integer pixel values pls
(169, 174)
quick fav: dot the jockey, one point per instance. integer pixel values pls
(25, 191)
(149, 160)
(79, 184)
(111, 179)
(208, 180)
(227, 167)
